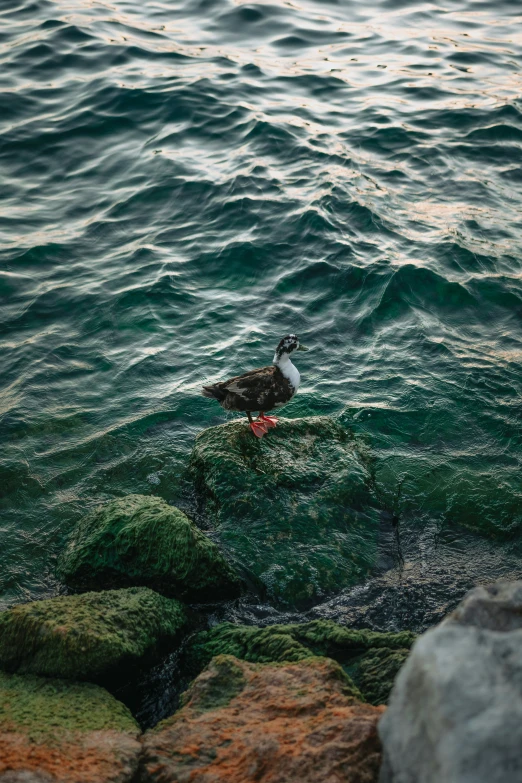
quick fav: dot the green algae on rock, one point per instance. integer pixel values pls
(213, 692)
(296, 508)
(370, 658)
(93, 636)
(375, 672)
(64, 731)
(141, 540)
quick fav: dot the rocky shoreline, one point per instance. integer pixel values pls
(295, 517)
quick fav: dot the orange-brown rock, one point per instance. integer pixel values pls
(268, 723)
(58, 731)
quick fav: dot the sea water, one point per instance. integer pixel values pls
(182, 184)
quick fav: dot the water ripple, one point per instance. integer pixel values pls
(183, 185)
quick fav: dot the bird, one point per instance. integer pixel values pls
(263, 389)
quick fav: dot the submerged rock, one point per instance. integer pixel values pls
(371, 659)
(141, 540)
(283, 723)
(93, 636)
(455, 712)
(295, 508)
(54, 731)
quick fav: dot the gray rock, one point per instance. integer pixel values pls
(495, 607)
(455, 713)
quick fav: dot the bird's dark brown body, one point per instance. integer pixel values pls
(258, 390)
(261, 390)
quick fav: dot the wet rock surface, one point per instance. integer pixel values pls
(93, 636)
(282, 723)
(296, 508)
(55, 731)
(421, 575)
(455, 711)
(141, 540)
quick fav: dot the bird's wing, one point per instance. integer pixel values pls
(252, 383)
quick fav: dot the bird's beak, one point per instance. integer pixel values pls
(302, 348)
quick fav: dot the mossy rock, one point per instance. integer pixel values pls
(371, 659)
(226, 682)
(375, 672)
(94, 636)
(141, 540)
(57, 730)
(295, 508)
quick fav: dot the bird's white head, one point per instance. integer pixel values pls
(286, 347)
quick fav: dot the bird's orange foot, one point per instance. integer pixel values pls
(258, 428)
(270, 421)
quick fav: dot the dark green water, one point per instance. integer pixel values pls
(183, 185)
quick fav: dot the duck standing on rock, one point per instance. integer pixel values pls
(261, 390)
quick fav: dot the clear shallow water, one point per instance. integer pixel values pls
(181, 186)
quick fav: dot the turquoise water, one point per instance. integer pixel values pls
(185, 183)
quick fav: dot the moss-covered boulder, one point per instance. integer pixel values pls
(296, 507)
(64, 732)
(375, 672)
(141, 540)
(93, 636)
(285, 723)
(372, 659)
